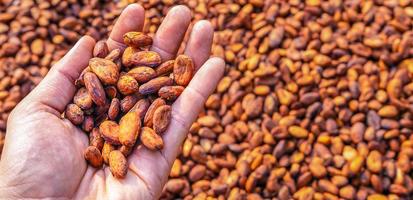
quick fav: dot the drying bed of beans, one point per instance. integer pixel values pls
(315, 102)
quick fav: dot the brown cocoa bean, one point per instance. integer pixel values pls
(327, 186)
(118, 164)
(74, 114)
(132, 58)
(170, 93)
(93, 156)
(137, 39)
(142, 74)
(197, 173)
(154, 85)
(95, 139)
(165, 68)
(127, 85)
(101, 49)
(95, 88)
(150, 139)
(106, 70)
(111, 92)
(83, 99)
(183, 70)
(298, 132)
(129, 128)
(107, 148)
(374, 162)
(141, 107)
(113, 55)
(148, 119)
(88, 124)
(161, 118)
(128, 102)
(110, 132)
(114, 109)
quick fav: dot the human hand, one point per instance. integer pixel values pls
(43, 153)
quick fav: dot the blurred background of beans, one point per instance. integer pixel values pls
(316, 102)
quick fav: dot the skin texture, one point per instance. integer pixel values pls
(43, 154)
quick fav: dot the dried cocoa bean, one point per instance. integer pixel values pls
(127, 85)
(142, 74)
(114, 109)
(150, 139)
(110, 132)
(165, 68)
(170, 93)
(107, 148)
(137, 39)
(93, 156)
(95, 139)
(95, 88)
(101, 49)
(141, 58)
(148, 119)
(74, 114)
(118, 164)
(154, 85)
(183, 70)
(161, 118)
(106, 70)
(129, 128)
(83, 99)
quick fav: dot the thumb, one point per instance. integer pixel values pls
(56, 90)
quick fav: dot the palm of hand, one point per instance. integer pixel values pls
(43, 154)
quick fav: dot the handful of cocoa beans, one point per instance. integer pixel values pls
(125, 96)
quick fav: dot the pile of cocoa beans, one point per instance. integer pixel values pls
(316, 102)
(123, 96)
